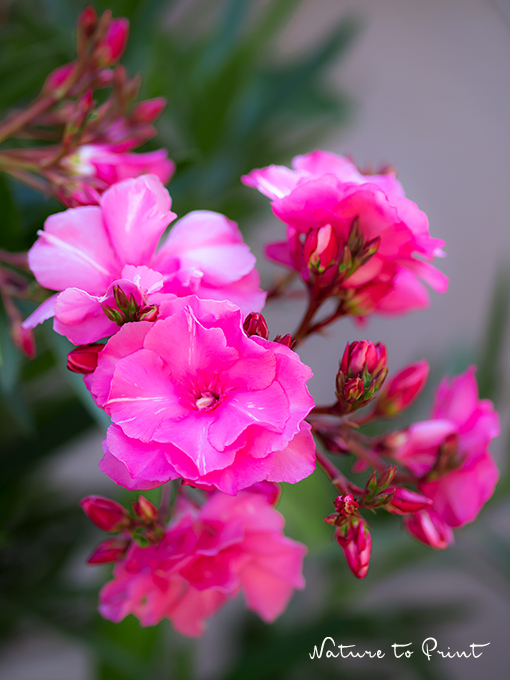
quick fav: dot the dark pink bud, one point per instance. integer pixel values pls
(87, 21)
(405, 501)
(429, 528)
(285, 340)
(356, 542)
(112, 550)
(114, 42)
(146, 112)
(402, 389)
(362, 372)
(58, 76)
(83, 359)
(23, 338)
(363, 357)
(255, 324)
(346, 505)
(108, 515)
(320, 248)
(145, 509)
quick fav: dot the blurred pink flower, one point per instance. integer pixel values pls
(449, 455)
(325, 190)
(108, 165)
(192, 396)
(205, 558)
(92, 252)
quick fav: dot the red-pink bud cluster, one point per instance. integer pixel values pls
(94, 141)
(362, 372)
(145, 528)
(255, 324)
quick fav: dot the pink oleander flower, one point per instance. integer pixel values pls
(192, 396)
(205, 558)
(105, 165)
(449, 455)
(91, 253)
(356, 234)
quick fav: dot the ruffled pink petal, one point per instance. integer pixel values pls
(136, 213)
(151, 462)
(74, 251)
(188, 616)
(274, 181)
(297, 460)
(45, 311)
(457, 399)
(126, 341)
(268, 581)
(211, 243)
(199, 351)
(268, 408)
(459, 496)
(142, 400)
(118, 472)
(407, 293)
(244, 293)
(80, 317)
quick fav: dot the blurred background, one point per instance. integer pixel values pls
(424, 86)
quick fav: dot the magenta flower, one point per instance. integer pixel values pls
(369, 236)
(193, 396)
(91, 253)
(450, 457)
(205, 558)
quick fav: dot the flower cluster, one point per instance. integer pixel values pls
(170, 339)
(204, 557)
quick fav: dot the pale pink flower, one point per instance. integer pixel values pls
(89, 252)
(192, 396)
(205, 558)
(109, 165)
(449, 455)
(325, 190)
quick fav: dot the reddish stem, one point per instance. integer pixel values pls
(340, 482)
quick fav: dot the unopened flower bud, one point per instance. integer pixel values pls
(58, 76)
(285, 340)
(112, 550)
(356, 542)
(147, 111)
(361, 374)
(87, 21)
(114, 42)
(108, 515)
(346, 505)
(320, 248)
(402, 389)
(23, 338)
(405, 501)
(255, 324)
(83, 359)
(145, 509)
(429, 528)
